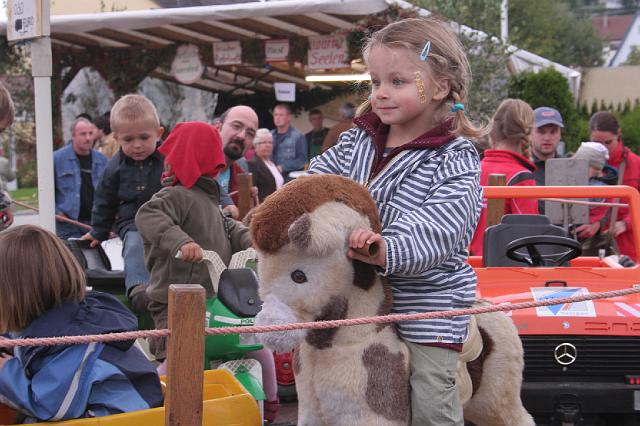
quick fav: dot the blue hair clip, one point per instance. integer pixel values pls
(425, 51)
(457, 107)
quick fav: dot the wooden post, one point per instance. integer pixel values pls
(185, 355)
(495, 206)
(245, 200)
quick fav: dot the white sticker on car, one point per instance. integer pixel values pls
(627, 310)
(578, 309)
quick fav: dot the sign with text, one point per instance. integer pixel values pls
(285, 92)
(276, 50)
(187, 67)
(227, 53)
(25, 19)
(328, 51)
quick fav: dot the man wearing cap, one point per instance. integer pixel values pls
(547, 131)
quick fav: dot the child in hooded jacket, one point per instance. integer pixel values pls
(185, 217)
(43, 295)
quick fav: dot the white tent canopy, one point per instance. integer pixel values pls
(262, 20)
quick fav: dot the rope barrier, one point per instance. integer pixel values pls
(502, 307)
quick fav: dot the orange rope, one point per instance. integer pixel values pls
(112, 337)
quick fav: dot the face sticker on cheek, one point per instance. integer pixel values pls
(420, 86)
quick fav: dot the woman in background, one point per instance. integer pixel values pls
(509, 155)
(266, 175)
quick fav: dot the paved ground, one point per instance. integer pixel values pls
(26, 218)
(288, 415)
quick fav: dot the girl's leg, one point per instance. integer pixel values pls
(265, 358)
(434, 397)
(269, 383)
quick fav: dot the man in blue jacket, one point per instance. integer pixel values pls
(289, 145)
(78, 169)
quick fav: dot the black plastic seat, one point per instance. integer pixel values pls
(238, 291)
(512, 227)
(97, 267)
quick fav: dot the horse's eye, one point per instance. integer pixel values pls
(298, 276)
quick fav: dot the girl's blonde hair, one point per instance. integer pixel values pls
(7, 110)
(37, 273)
(512, 123)
(446, 59)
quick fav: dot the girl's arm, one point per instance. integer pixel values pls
(59, 390)
(424, 238)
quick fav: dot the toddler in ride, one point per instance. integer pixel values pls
(131, 177)
(185, 216)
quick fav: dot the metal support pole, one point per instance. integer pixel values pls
(504, 21)
(42, 70)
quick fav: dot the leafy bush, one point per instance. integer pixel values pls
(630, 125)
(27, 174)
(550, 88)
(628, 114)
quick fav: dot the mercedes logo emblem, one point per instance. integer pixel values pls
(565, 354)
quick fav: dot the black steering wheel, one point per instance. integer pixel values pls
(535, 258)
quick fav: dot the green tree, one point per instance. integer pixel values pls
(634, 56)
(630, 125)
(550, 88)
(548, 28)
(487, 57)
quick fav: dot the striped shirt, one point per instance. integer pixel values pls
(429, 202)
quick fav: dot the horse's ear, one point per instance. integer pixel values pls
(326, 229)
(300, 232)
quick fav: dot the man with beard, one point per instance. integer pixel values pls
(238, 126)
(545, 138)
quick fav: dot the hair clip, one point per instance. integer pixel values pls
(457, 107)
(425, 51)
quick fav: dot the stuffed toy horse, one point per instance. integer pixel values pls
(359, 375)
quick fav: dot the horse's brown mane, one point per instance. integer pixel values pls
(271, 220)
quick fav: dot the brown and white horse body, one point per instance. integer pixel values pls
(356, 375)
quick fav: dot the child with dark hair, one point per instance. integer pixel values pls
(43, 295)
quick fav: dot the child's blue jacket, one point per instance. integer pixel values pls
(89, 380)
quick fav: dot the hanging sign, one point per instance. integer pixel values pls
(187, 67)
(285, 92)
(227, 53)
(328, 51)
(25, 19)
(276, 50)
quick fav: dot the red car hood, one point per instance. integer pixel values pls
(615, 316)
